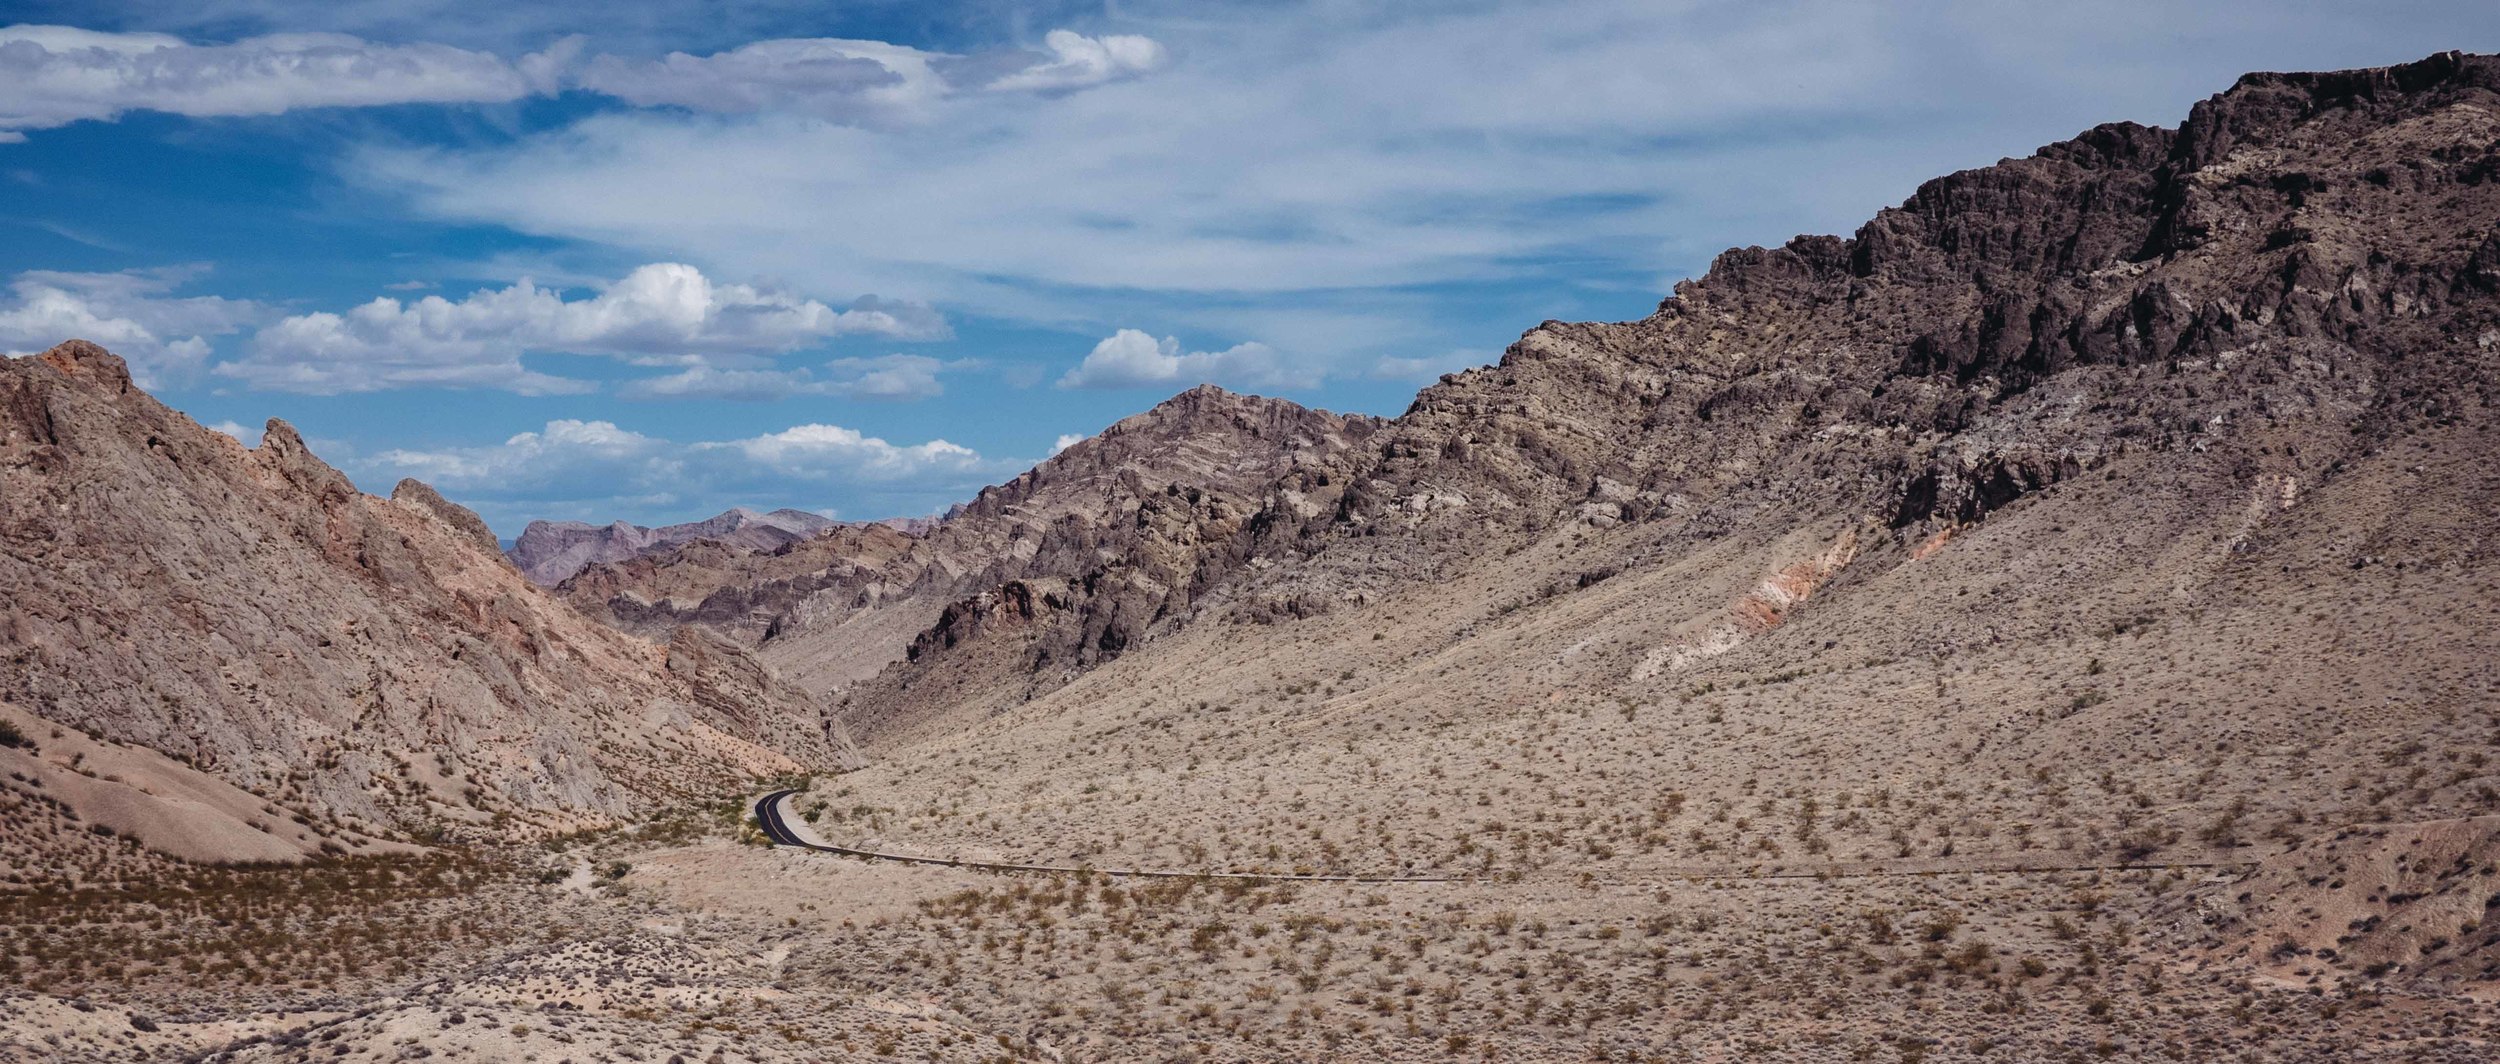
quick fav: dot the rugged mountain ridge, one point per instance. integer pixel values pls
(1124, 510)
(549, 551)
(2269, 277)
(373, 664)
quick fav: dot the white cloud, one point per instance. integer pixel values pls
(1300, 150)
(854, 81)
(240, 431)
(131, 313)
(1301, 154)
(563, 449)
(1077, 61)
(57, 75)
(1067, 440)
(893, 377)
(707, 382)
(1133, 359)
(663, 313)
(813, 450)
(889, 377)
(1397, 368)
(597, 470)
(897, 318)
(842, 80)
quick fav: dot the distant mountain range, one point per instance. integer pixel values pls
(549, 551)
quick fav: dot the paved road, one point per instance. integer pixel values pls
(769, 815)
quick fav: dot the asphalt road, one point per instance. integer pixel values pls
(769, 816)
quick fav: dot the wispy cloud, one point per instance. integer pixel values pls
(1277, 155)
(840, 80)
(1276, 158)
(886, 377)
(1077, 60)
(56, 75)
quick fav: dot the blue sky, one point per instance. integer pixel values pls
(650, 260)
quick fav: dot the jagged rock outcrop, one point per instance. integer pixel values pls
(369, 662)
(549, 551)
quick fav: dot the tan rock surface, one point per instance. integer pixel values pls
(372, 664)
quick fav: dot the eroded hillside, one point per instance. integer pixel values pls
(314, 664)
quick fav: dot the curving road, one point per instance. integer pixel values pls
(769, 816)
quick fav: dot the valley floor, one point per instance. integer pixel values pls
(690, 940)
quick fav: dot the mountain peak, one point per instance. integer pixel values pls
(88, 363)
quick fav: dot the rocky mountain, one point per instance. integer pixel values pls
(2110, 456)
(2125, 505)
(247, 633)
(2216, 322)
(1130, 505)
(549, 551)
(2241, 303)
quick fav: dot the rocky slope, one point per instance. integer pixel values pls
(1128, 509)
(372, 666)
(2125, 506)
(549, 551)
(2241, 304)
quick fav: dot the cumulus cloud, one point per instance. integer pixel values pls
(597, 470)
(56, 75)
(889, 377)
(1077, 60)
(1067, 440)
(132, 313)
(563, 449)
(658, 314)
(1133, 359)
(811, 450)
